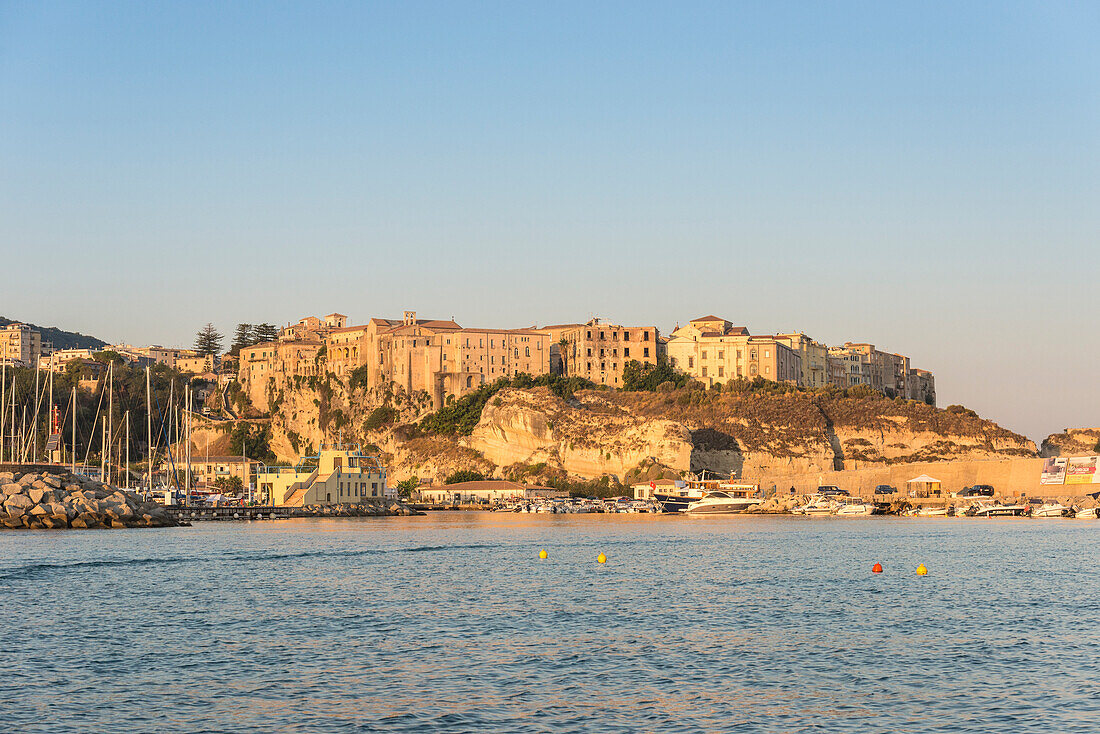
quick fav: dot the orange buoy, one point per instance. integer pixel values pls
(921, 570)
(601, 558)
(877, 568)
(542, 554)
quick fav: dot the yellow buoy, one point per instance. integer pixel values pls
(601, 558)
(921, 570)
(542, 554)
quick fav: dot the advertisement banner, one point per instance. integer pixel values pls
(1054, 471)
(1080, 470)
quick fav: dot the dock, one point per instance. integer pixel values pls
(203, 514)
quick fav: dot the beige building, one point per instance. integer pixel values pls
(598, 351)
(486, 491)
(59, 360)
(207, 469)
(197, 364)
(20, 345)
(922, 386)
(814, 358)
(712, 350)
(340, 473)
(438, 357)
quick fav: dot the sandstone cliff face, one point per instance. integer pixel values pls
(612, 433)
(589, 439)
(1074, 442)
(630, 435)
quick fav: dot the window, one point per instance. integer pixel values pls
(691, 362)
(603, 366)
(739, 354)
(589, 335)
(589, 366)
(626, 336)
(752, 354)
(601, 352)
(645, 352)
(601, 336)
(767, 353)
(721, 354)
(704, 356)
(589, 353)
(704, 372)
(517, 352)
(721, 371)
(527, 351)
(767, 370)
(626, 351)
(645, 336)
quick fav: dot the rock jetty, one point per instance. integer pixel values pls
(47, 500)
(367, 509)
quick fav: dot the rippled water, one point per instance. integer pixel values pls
(450, 622)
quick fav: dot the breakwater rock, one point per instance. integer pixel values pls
(366, 509)
(47, 500)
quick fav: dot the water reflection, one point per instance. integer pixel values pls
(450, 622)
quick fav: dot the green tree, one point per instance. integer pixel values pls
(265, 333)
(646, 377)
(563, 347)
(464, 475)
(229, 485)
(244, 336)
(108, 355)
(255, 441)
(407, 487)
(208, 341)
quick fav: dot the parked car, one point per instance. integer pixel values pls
(830, 490)
(978, 490)
(885, 489)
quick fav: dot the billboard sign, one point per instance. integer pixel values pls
(1081, 470)
(1054, 471)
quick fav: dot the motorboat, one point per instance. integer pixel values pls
(1083, 513)
(930, 511)
(818, 505)
(1049, 509)
(855, 509)
(722, 502)
(985, 508)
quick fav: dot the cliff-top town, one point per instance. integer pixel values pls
(441, 358)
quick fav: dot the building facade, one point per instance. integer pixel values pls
(339, 474)
(712, 350)
(598, 351)
(20, 345)
(814, 356)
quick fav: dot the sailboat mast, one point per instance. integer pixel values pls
(110, 418)
(148, 430)
(3, 403)
(73, 447)
(34, 431)
(127, 449)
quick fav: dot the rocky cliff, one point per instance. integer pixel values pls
(1072, 442)
(532, 433)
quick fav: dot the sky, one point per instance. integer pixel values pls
(923, 176)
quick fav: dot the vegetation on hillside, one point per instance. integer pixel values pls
(60, 338)
(459, 417)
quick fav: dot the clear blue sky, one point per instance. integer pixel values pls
(922, 175)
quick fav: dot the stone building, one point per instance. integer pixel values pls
(711, 349)
(598, 351)
(814, 356)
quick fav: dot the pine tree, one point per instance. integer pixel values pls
(265, 333)
(244, 336)
(208, 341)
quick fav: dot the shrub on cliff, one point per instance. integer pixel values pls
(459, 417)
(383, 415)
(464, 475)
(648, 377)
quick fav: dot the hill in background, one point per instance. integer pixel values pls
(60, 338)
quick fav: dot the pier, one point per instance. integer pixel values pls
(202, 514)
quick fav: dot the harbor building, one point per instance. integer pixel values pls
(486, 491)
(598, 351)
(339, 473)
(712, 350)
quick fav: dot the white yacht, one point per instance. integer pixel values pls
(855, 509)
(818, 505)
(930, 511)
(1049, 509)
(985, 508)
(1085, 513)
(725, 501)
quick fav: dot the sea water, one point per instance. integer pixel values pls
(451, 622)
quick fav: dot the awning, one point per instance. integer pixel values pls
(923, 479)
